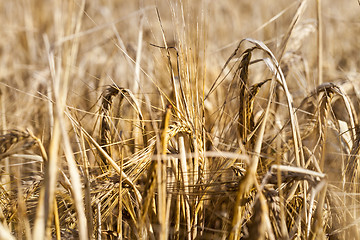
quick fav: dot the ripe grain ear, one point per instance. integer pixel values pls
(108, 127)
(105, 125)
(14, 142)
(244, 106)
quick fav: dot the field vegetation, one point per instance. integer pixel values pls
(179, 119)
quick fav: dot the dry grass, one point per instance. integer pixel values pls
(179, 120)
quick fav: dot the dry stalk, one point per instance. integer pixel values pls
(161, 175)
(319, 41)
(185, 182)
